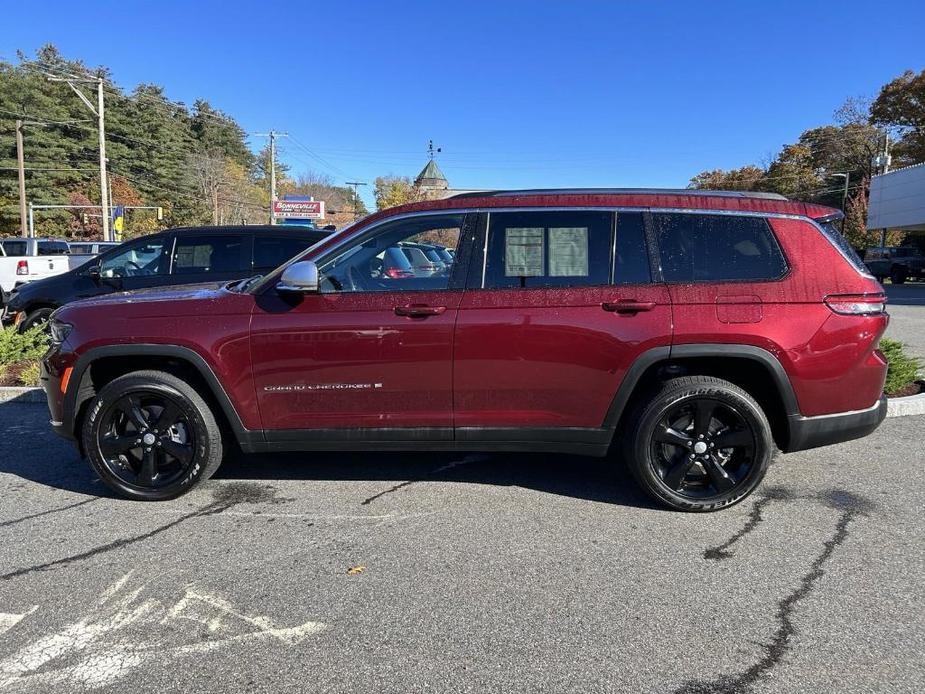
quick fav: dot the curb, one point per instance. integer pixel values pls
(21, 395)
(904, 407)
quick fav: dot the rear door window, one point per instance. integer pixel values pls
(272, 251)
(716, 248)
(548, 249)
(207, 255)
(631, 257)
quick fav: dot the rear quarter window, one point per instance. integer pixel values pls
(716, 248)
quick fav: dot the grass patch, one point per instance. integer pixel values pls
(903, 368)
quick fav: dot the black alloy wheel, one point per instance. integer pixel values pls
(145, 439)
(150, 436)
(702, 448)
(699, 444)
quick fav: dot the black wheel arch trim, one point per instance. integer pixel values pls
(71, 404)
(655, 355)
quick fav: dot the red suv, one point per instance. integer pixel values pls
(688, 333)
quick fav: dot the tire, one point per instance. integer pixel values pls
(669, 451)
(183, 439)
(898, 276)
(39, 316)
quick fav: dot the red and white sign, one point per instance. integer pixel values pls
(298, 209)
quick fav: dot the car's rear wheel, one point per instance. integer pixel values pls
(150, 436)
(699, 444)
(898, 276)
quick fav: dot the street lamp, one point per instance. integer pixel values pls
(844, 197)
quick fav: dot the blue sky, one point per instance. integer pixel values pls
(518, 94)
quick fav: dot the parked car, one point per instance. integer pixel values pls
(687, 333)
(90, 247)
(25, 260)
(898, 263)
(177, 256)
(420, 263)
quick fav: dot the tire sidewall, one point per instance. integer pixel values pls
(105, 399)
(644, 466)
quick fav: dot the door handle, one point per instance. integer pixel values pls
(419, 310)
(627, 306)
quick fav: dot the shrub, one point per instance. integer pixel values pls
(16, 347)
(31, 374)
(903, 368)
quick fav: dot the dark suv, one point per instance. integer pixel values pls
(177, 256)
(688, 333)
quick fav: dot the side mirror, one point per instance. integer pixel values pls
(301, 277)
(94, 273)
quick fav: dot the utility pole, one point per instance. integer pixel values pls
(20, 163)
(356, 196)
(104, 178)
(99, 112)
(272, 135)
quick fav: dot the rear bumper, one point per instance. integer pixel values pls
(812, 432)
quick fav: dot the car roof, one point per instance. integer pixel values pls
(645, 198)
(276, 229)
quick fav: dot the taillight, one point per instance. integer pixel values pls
(857, 304)
(22, 267)
(397, 273)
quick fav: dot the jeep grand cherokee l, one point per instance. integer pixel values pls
(687, 333)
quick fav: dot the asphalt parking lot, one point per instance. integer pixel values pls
(449, 573)
(906, 304)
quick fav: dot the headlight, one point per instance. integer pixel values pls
(59, 331)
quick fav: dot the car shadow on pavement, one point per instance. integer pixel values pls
(594, 479)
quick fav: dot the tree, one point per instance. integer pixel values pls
(391, 191)
(150, 143)
(900, 107)
(746, 178)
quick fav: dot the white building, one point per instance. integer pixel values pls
(897, 200)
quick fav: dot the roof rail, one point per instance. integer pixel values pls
(623, 191)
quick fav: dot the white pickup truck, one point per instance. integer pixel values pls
(25, 260)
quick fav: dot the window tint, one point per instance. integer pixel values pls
(208, 254)
(548, 249)
(14, 247)
(392, 257)
(270, 251)
(715, 248)
(81, 248)
(138, 260)
(52, 248)
(631, 261)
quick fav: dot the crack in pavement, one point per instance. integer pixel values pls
(58, 509)
(224, 498)
(402, 485)
(754, 519)
(851, 506)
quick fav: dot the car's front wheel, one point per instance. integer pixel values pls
(150, 436)
(35, 318)
(699, 444)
